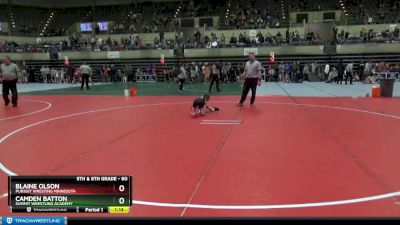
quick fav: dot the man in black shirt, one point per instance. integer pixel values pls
(215, 76)
(361, 70)
(341, 70)
(70, 72)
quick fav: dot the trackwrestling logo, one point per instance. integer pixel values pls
(33, 220)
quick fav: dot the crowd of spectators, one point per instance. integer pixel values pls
(373, 12)
(153, 17)
(80, 42)
(287, 72)
(390, 35)
(249, 17)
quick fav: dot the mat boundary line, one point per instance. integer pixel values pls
(277, 206)
(232, 207)
(49, 105)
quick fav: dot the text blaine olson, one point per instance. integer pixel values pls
(37, 186)
(42, 189)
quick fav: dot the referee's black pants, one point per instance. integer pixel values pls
(85, 79)
(10, 85)
(215, 79)
(249, 83)
(348, 75)
(181, 82)
(340, 78)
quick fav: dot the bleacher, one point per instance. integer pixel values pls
(151, 15)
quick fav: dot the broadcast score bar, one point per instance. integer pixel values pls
(70, 194)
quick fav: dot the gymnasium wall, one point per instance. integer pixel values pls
(214, 52)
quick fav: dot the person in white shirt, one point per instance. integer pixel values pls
(9, 74)
(86, 72)
(48, 75)
(367, 69)
(43, 73)
(326, 71)
(314, 69)
(62, 76)
(24, 76)
(252, 75)
(349, 73)
(53, 74)
(181, 76)
(58, 76)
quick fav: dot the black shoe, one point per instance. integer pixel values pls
(239, 104)
(15, 105)
(6, 103)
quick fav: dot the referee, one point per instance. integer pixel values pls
(9, 73)
(252, 75)
(86, 72)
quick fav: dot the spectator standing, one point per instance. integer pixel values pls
(106, 73)
(341, 71)
(288, 72)
(306, 71)
(62, 76)
(287, 36)
(119, 74)
(43, 73)
(70, 72)
(296, 71)
(314, 69)
(349, 73)
(113, 72)
(281, 68)
(215, 75)
(25, 76)
(125, 76)
(128, 69)
(48, 74)
(367, 69)
(161, 34)
(326, 72)
(53, 73)
(361, 69)
(181, 76)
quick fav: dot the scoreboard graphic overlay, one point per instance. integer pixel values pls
(75, 194)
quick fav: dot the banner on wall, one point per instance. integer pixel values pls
(246, 51)
(392, 27)
(113, 55)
